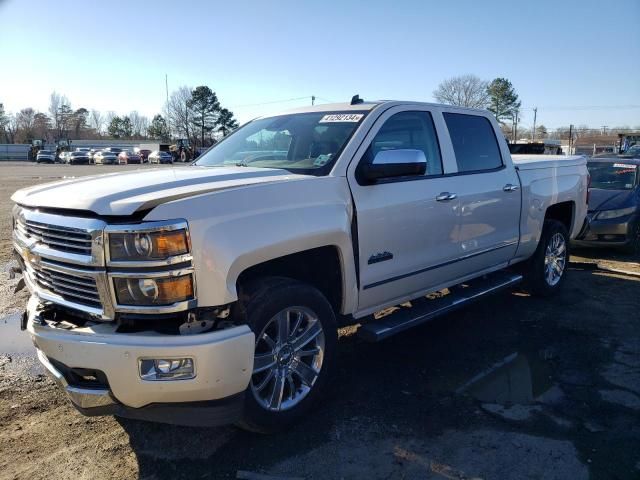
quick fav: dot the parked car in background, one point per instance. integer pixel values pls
(631, 152)
(126, 157)
(91, 153)
(613, 219)
(79, 157)
(46, 156)
(83, 149)
(144, 154)
(105, 157)
(63, 157)
(160, 157)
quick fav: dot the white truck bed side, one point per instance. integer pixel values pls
(548, 180)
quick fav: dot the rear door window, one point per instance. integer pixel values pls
(474, 142)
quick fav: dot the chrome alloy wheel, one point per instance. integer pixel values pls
(555, 259)
(288, 358)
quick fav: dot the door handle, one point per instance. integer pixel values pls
(446, 196)
(510, 188)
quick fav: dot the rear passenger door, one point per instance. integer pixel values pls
(488, 189)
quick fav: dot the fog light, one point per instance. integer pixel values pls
(166, 368)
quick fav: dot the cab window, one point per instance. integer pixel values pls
(474, 142)
(409, 130)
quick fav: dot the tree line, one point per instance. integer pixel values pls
(192, 113)
(499, 97)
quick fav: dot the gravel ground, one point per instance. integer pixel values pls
(512, 387)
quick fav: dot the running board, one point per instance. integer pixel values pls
(459, 296)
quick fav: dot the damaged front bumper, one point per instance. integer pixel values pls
(99, 369)
(615, 232)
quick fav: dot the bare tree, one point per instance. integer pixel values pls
(144, 126)
(179, 112)
(41, 126)
(463, 91)
(96, 121)
(26, 118)
(4, 120)
(109, 117)
(11, 128)
(139, 124)
(60, 110)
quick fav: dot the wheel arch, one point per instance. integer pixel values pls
(322, 267)
(563, 212)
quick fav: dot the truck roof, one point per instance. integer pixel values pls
(366, 106)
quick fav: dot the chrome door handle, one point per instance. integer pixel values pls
(446, 196)
(510, 188)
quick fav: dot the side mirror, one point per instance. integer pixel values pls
(395, 163)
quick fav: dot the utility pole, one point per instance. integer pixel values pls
(533, 132)
(570, 138)
(515, 133)
(604, 129)
(313, 100)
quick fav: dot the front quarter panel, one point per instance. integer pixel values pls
(235, 229)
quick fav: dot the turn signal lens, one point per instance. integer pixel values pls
(154, 291)
(148, 245)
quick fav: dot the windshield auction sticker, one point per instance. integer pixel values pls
(342, 117)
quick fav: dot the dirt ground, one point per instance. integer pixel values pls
(513, 387)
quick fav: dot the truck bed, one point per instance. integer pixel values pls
(534, 162)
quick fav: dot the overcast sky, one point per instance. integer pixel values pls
(577, 61)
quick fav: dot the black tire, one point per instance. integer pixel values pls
(633, 247)
(258, 304)
(535, 274)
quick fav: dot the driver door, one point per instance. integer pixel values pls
(407, 231)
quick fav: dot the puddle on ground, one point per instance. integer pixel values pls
(518, 378)
(13, 340)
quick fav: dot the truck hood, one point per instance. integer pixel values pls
(125, 193)
(602, 199)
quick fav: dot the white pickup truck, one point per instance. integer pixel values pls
(212, 293)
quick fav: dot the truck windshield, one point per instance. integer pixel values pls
(613, 176)
(307, 143)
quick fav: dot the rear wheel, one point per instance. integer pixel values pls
(295, 350)
(546, 270)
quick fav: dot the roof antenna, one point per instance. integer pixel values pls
(356, 100)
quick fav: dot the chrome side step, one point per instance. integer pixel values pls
(461, 295)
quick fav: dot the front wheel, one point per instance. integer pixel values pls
(295, 351)
(546, 270)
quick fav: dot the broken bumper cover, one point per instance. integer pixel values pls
(223, 364)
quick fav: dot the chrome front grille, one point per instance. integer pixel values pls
(64, 260)
(58, 238)
(71, 287)
(65, 263)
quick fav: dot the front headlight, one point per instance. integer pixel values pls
(154, 291)
(148, 245)
(621, 212)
